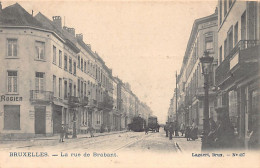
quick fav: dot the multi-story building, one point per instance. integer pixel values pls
(52, 77)
(237, 75)
(190, 80)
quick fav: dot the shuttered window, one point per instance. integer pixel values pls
(39, 81)
(40, 48)
(12, 82)
(12, 47)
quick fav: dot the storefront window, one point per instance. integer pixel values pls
(232, 96)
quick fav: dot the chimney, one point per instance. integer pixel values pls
(57, 21)
(70, 30)
(79, 36)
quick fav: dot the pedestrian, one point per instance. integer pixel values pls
(225, 131)
(170, 131)
(91, 131)
(62, 131)
(146, 130)
(166, 127)
(182, 128)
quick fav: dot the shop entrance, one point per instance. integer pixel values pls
(40, 120)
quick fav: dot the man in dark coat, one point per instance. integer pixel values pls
(225, 131)
(171, 131)
(166, 127)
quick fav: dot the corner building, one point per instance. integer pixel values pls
(52, 77)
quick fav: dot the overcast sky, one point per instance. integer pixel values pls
(143, 42)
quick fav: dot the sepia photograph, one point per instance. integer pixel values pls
(127, 83)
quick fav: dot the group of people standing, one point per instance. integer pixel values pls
(64, 132)
(172, 129)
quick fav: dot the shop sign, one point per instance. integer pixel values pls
(10, 98)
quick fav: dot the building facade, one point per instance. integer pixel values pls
(52, 77)
(190, 81)
(237, 75)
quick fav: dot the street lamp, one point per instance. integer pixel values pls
(206, 65)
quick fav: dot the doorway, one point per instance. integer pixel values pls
(40, 120)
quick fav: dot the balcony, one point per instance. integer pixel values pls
(100, 105)
(84, 101)
(92, 103)
(242, 60)
(73, 101)
(39, 96)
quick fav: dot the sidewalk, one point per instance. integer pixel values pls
(187, 146)
(53, 140)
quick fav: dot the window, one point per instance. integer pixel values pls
(54, 55)
(65, 62)
(60, 58)
(252, 19)
(75, 90)
(39, 81)
(225, 48)
(85, 89)
(91, 69)
(85, 66)
(40, 50)
(220, 54)
(230, 39)
(60, 87)
(11, 117)
(225, 7)
(79, 87)
(74, 68)
(70, 88)
(65, 89)
(229, 3)
(12, 47)
(236, 34)
(220, 12)
(78, 61)
(70, 65)
(232, 106)
(209, 43)
(81, 64)
(88, 66)
(243, 26)
(54, 85)
(12, 82)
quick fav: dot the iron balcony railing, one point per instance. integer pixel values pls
(41, 96)
(224, 67)
(92, 102)
(84, 101)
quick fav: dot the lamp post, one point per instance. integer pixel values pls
(206, 64)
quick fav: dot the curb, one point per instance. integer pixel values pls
(48, 139)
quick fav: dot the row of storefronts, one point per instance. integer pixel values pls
(51, 77)
(234, 81)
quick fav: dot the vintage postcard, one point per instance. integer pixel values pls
(129, 83)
